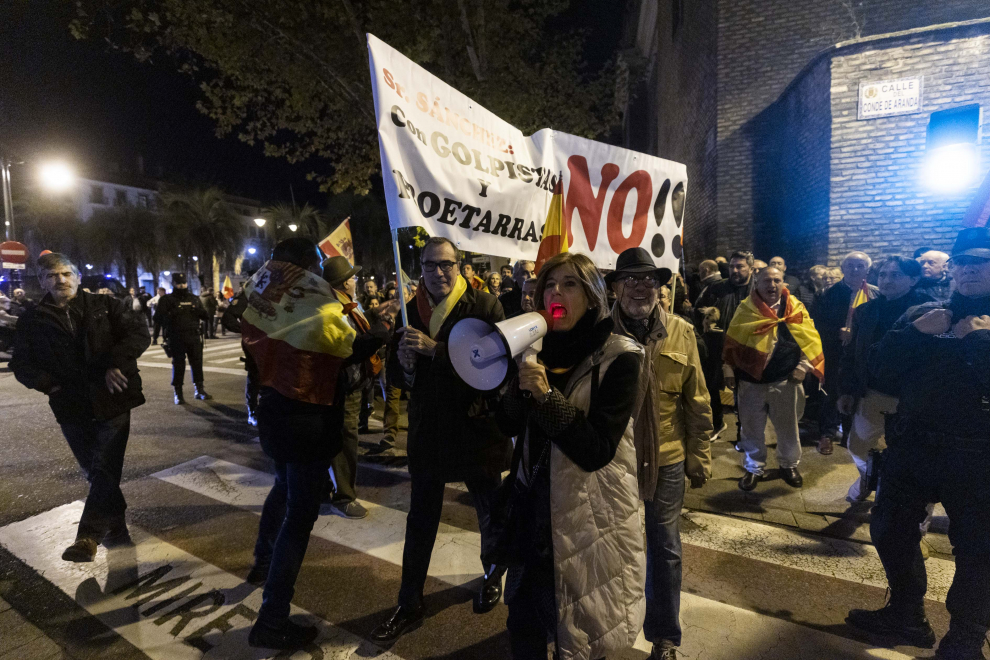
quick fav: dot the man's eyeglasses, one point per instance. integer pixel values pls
(650, 281)
(445, 266)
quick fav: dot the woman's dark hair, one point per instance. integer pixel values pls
(909, 267)
(298, 251)
(587, 272)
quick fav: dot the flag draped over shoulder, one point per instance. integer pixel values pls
(554, 239)
(295, 329)
(752, 335)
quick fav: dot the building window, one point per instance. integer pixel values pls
(96, 195)
(142, 201)
(676, 16)
(120, 199)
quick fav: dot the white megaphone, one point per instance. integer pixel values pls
(480, 352)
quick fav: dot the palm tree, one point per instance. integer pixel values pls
(127, 236)
(51, 222)
(308, 220)
(204, 225)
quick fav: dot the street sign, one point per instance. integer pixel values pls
(13, 255)
(890, 97)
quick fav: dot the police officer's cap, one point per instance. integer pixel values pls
(973, 242)
(178, 278)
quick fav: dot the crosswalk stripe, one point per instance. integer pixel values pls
(166, 602)
(236, 358)
(216, 370)
(455, 561)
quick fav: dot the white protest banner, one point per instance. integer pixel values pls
(455, 169)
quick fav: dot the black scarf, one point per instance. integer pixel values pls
(563, 350)
(963, 306)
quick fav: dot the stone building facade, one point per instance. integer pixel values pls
(759, 99)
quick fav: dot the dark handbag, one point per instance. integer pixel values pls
(503, 546)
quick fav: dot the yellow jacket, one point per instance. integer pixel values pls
(674, 423)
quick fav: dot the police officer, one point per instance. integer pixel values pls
(180, 314)
(938, 451)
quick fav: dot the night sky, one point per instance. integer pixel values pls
(97, 108)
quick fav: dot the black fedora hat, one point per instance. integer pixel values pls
(338, 269)
(637, 260)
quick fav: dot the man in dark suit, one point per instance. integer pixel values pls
(452, 431)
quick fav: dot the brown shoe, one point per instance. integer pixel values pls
(83, 550)
(825, 445)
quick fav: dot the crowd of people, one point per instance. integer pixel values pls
(618, 412)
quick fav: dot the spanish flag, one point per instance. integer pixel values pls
(554, 239)
(294, 328)
(228, 288)
(752, 335)
(864, 294)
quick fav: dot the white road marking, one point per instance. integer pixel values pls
(236, 358)
(846, 560)
(207, 368)
(169, 604)
(712, 630)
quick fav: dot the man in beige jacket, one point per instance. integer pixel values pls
(672, 433)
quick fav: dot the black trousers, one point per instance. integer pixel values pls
(422, 523)
(99, 449)
(251, 385)
(186, 347)
(919, 470)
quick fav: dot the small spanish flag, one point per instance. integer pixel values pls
(554, 239)
(228, 288)
(864, 294)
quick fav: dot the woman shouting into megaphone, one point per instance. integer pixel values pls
(577, 576)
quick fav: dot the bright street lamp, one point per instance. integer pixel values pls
(260, 222)
(56, 176)
(251, 250)
(293, 227)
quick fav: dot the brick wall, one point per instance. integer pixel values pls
(790, 185)
(762, 46)
(684, 109)
(878, 200)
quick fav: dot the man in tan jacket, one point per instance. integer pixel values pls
(672, 433)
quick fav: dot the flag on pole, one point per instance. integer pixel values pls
(554, 240)
(228, 288)
(864, 294)
(338, 242)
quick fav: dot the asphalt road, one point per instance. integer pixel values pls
(195, 478)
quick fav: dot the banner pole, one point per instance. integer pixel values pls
(401, 290)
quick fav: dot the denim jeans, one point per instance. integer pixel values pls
(920, 471)
(344, 464)
(422, 523)
(287, 518)
(663, 557)
(99, 449)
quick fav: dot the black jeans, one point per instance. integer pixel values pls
(183, 347)
(252, 386)
(99, 448)
(287, 518)
(530, 595)
(663, 556)
(919, 470)
(422, 523)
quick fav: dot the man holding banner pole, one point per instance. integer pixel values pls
(452, 431)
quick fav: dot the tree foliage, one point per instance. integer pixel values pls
(204, 225)
(292, 75)
(127, 236)
(308, 220)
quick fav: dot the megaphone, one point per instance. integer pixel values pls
(480, 351)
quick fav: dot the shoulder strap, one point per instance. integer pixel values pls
(595, 376)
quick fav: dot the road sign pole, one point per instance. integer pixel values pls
(8, 203)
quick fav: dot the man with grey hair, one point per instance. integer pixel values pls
(512, 300)
(935, 279)
(81, 350)
(833, 317)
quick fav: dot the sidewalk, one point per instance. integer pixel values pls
(21, 640)
(820, 506)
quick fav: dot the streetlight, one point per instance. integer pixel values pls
(56, 176)
(251, 250)
(293, 226)
(260, 222)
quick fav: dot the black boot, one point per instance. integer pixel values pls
(491, 591)
(907, 624)
(964, 641)
(259, 572)
(200, 393)
(286, 636)
(179, 399)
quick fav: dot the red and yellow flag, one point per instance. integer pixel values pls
(864, 294)
(554, 239)
(228, 288)
(338, 242)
